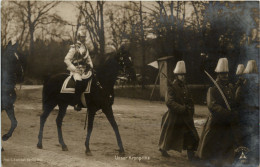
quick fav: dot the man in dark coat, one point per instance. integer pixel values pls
(178, 131)
(247, 98)
(239, 73)
(219, 137)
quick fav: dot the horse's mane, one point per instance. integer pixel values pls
(107, 71)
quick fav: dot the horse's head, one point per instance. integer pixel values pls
(13, 61)
(126, 64)
(20, 66)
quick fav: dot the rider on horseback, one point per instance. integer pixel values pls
(79, 62)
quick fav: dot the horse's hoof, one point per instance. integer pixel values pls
(65, 148)
(88, 153)
(5, 137)
(39, 146)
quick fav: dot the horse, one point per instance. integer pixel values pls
(101, 96)
(12, 72)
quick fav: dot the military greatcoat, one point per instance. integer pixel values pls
(218, 138)
(178, 131)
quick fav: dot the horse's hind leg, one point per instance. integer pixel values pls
(47, 108)
(110, 116)
(10, 113)
(62, 112)
(91, 116)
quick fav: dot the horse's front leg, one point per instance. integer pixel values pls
(10, 113)
(91, 116)
(110, 116)
(59, 119)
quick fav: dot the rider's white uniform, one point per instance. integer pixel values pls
(72, 60)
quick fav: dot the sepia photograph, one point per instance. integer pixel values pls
(130, 83)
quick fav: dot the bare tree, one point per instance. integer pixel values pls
(8, 19)
(142, 41)
(36, 13)
(119, 28)
(92, 17)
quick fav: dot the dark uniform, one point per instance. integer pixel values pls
(219, 136)
(178, 131)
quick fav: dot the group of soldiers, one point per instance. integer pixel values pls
(230, 133)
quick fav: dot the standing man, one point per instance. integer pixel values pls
(239, 74)
(178, 131)
(219, 135)
(247, 97)
(79, 62)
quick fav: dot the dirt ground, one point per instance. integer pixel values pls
(139, 125)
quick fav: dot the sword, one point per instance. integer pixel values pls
(219, 89)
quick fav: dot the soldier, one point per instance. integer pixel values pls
(220, 133)
(248, 99)
(239, 73)
(78, 62)
(178, 131)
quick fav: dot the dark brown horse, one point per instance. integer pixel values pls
(99, 98)
(12, 70)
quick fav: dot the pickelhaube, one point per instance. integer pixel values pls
(180, 68)
(251, 67)
(240, 69)
(222, 66)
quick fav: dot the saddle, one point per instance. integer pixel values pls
(68, 85)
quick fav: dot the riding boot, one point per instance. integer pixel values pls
(78, 92)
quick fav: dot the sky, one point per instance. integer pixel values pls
(68, 11)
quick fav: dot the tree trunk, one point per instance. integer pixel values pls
(31, 46)
(102, 35)
(142, 45)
